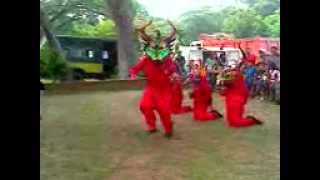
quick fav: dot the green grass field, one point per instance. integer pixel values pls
(99, 136)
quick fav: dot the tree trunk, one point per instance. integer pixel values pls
(121, 11)
(41, 35)
(52, 40)
(125, 47)
(42, 38)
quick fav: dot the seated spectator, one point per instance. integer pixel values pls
(181, 62)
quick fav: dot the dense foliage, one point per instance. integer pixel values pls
(104, 19)
(258, 18)
(52, 65)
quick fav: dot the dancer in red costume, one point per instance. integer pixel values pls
(236, 95)
(177, 94)
(158, 67)
(202, 99)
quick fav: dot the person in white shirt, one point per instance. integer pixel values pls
(105, 55)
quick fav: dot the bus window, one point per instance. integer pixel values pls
(90, 54)
(75, 53)
(105, 55)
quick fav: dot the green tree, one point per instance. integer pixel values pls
(203, 20)
(273, 24)
(245, 23)
(250, 2)
(104, 29)
(266, 7)
(52, 64)
(46, 31)
(61, 13)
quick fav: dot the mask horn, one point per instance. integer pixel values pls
(172, 36)
(143, 34)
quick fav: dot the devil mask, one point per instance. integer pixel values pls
(158, 48)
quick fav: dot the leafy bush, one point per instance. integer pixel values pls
(52, 64)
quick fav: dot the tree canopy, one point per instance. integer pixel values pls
(93, 18)
(118, 18)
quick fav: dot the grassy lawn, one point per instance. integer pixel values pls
(99, 136)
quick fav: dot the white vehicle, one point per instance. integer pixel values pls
(198, 52)
(233, 55)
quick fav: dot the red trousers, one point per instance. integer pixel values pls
(176, 100)
(202, 100)
(234, 106)
(156, 100)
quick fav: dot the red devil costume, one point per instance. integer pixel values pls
(177, 95)
(236, 95)
(202, 99)
(157, 65)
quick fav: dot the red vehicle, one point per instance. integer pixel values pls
(255, 44)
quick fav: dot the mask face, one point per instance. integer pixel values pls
(157, 48)
(157, 54)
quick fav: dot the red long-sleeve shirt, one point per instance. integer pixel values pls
(157, 74)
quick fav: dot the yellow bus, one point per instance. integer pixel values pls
(89, 57)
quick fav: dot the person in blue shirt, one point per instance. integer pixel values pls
(250, 72)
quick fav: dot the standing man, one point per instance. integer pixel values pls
(273, 58)
(273, 61)
(262, 56)
(181, 63)
(275, 84)
(105, 55)
(210, 64)
(106, 63)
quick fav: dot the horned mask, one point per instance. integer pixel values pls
(158, 48)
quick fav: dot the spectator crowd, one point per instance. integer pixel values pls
(261, 73)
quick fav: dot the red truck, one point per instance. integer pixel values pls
(255, 44)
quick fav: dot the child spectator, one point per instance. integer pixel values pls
(260, 82)
(214, 73)
(275, 84)
(249, 74)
